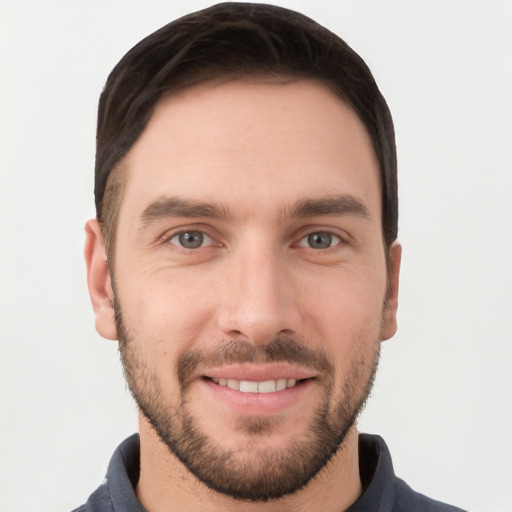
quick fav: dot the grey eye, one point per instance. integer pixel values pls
(190, 239)
(320, 240)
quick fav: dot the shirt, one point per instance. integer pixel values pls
(382, 490)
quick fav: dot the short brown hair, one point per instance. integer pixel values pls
(233, 40)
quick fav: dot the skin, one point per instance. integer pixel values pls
(255, 149)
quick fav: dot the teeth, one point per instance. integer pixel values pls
(281, 384)
(290, 383)
(247, 386)
(268, 386)
(233, 384)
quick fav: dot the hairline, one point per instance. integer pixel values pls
(116, 181)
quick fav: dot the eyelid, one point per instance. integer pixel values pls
(333, 230)
(302, 242)
(172, 233)
(207, 239)
(341, 238)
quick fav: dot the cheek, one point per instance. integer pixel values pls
(168, 310)
(345, 315)
(348, 298)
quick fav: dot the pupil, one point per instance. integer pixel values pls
(320, 240)
(191, 240)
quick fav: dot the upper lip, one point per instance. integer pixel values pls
(259, 372)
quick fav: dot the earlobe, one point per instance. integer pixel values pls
(98, 280)
(389, 323)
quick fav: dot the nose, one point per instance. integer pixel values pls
(258, 300)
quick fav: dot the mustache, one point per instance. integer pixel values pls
(279, 350)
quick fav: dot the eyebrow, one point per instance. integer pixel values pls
(344, 204)
(166, 207)
(169, 207)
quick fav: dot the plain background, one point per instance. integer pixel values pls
(442, 399)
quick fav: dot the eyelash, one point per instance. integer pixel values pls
(167, 238)
(209, 239)
(336, 239)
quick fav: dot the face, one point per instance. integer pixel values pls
(250, 281)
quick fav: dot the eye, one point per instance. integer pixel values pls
(191, 239)
(320, 240)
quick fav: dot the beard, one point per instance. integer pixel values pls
(254, 472)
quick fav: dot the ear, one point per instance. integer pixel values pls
(391, 305)
(98, 280)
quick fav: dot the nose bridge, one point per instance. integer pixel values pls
(258, 304)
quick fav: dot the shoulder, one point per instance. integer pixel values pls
(383, 490)
(117, 492)
(99, 501)
(407, 500)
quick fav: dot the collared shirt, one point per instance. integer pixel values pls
(382, 490)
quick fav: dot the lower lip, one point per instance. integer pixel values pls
(259, 404)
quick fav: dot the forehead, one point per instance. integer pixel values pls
(252, 145)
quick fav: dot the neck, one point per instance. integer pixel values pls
(165, 484)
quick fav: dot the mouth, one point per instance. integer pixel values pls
(258, 390)
(249, 386)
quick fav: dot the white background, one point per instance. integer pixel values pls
(443, 397)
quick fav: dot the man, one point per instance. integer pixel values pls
(244, 255)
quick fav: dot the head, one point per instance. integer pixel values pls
(225, 42)
(246, 205)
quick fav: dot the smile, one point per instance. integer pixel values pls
(247, 386)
